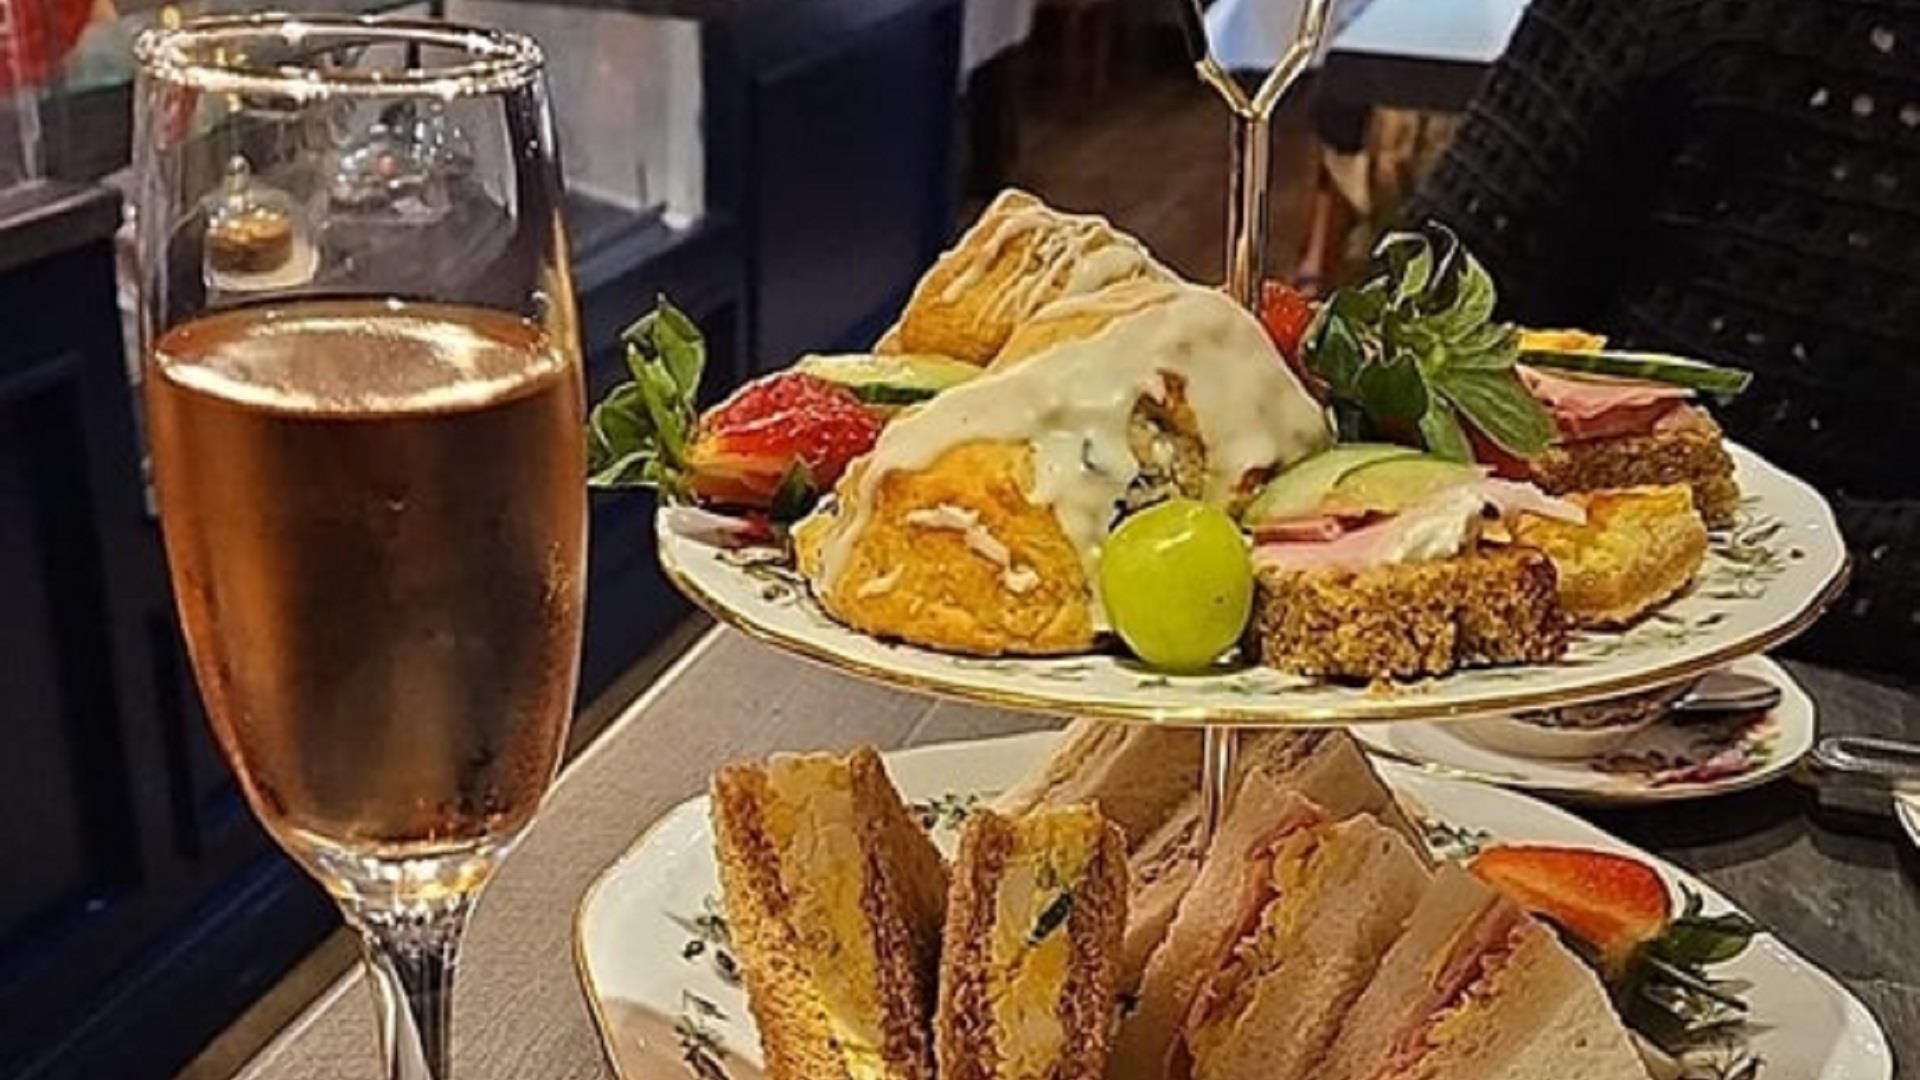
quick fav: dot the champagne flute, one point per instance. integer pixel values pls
(362, 378)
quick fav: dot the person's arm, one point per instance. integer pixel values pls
(1551, 159)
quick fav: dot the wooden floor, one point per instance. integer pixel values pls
(1151, 154)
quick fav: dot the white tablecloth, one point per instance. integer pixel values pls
(1251, 34)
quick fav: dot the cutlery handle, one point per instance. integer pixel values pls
(1866, 761)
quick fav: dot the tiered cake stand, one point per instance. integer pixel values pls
(1765, 579)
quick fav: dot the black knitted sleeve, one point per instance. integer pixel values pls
(1545, 175)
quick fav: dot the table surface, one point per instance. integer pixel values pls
(1841, 890)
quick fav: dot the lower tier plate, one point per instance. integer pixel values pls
(649, 937)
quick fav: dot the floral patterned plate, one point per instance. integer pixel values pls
(1765, 580)
(651, 945)
(1666, 762)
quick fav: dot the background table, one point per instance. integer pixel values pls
(1409, 54)
(1848, 901)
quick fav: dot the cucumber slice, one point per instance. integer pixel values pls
(889, 380)
(1299, 491)
(1652, 367)
(1388, 487)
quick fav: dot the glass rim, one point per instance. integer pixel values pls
(497, 60)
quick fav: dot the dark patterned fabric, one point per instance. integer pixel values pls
(1737, 180)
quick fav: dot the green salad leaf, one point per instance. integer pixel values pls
(1412, 353)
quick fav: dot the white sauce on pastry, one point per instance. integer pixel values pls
(1073, 403)
(1073, 255)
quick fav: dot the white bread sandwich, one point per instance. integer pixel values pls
(1477, 990)
(1325, 766)
(1279, 934)
(1028, 970)
(1138, 774)
(835, 899)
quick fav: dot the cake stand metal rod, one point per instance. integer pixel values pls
(1249, 179)
(1251, 141)
(1220, 753)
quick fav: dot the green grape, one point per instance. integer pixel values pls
(1177, 583)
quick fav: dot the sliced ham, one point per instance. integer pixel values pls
(1598, 407)
(1434, 529)
(1511, 497)
(1476, 953)
(1318, 529)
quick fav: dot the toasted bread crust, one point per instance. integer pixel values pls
(1098, 921)
(1692, 452)
(1490, 606)
(967, 1049)
(903, 901)
(794, 1039)
(963, 1022)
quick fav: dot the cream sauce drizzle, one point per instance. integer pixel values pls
(1073, 255)
(1072, 405)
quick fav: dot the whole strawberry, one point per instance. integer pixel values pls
(775, 435)
(771, 448)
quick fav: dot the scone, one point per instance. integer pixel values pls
(1019, 257)
(975, 524)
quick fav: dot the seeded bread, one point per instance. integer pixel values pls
(1493, 605)
(1690, 452)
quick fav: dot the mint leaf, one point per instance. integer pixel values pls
(1338, 357)
(1443, 434)
(1394, 390)
(1409, 261)
(1501, 406)
(1413, 352)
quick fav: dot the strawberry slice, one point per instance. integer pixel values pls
(1286, 313)
(1611, 902)
(784, 429)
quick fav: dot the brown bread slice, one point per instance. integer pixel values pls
(778, 943)
(1691, 452)
(1493, 605)
(1062, 873)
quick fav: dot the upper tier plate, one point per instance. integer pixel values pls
(1764, 581)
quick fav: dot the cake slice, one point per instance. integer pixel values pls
(1637, 549)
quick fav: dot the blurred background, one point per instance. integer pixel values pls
(783, 170)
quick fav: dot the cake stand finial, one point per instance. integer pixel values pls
(1251, 143)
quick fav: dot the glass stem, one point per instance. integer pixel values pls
(411, 952)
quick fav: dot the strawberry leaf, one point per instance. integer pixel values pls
(796, 494)
(1666, 992)
(637, 435)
